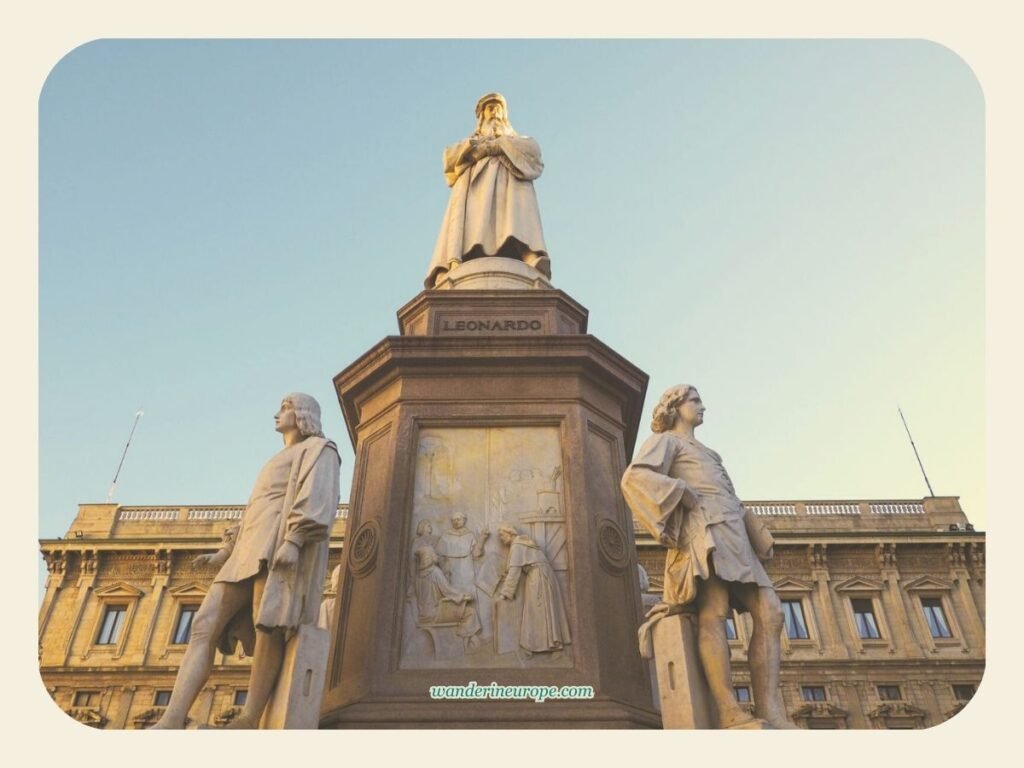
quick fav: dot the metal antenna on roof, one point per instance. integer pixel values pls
(921, 465)
(113, 485)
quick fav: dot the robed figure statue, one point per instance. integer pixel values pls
(493, 209)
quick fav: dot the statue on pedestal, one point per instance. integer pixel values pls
(493, 209)
(679, 489)
(272, 566)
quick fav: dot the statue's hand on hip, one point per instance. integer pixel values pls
(286, 557)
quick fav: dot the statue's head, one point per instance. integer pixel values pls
(492, 116)
(667, 411)
(424, 528)
(507, 533)
(307, 414)
(458, 520)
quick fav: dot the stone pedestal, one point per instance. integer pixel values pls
(685, 699)
(496, 406)
(295, 703)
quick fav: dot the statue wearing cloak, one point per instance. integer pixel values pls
(492, 210)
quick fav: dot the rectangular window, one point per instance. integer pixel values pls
(162, 699)
(963, 692)
(864, 616)
(240, 697)
(742, 694)
(183, 629)
(889, 693)
(113, 620)
(730, 628)
(796, 627)
(87, 698)
(813, 693)
(935, 617)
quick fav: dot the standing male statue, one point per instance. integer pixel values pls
(679, 489)
(492, 210)
(272, 566)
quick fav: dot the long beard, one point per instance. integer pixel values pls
(491, 129)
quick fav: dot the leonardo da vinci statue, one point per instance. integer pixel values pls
(492, 210)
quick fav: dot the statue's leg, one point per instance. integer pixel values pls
(712, 610)
(223, 601)
(266, 666)
(766, 653)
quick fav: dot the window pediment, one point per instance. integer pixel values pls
(121, 589)
(789, 584)
(859, 584)
(927, 583)
(192, 589)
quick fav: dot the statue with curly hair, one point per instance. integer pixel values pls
(678, 488)
(271, 567)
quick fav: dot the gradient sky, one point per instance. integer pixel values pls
(794, 226)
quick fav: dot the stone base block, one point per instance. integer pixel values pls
(295, 703)
(686, 702)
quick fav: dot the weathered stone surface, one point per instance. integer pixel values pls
(526, 429)
(295, 702)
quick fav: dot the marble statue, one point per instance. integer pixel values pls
(544, 624)
(272, 566)
(680, 491)
(493, 209)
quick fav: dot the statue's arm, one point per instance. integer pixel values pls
(459, 158)
(508, 588)
(521, 156)
(227, 546)
(761, 539)
(316, 501)
(655, 497)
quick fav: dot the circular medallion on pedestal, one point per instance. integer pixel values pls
(363, 556)
(611, 545)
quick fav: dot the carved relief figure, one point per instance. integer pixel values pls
(493, 209)
(438, 602)
(679, 489)
(544, 624)
(457, 547)
(272, 565)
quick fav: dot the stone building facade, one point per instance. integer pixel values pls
(884, 603)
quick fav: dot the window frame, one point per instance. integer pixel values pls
(789, 589)
(929, 587)
(120, 593)
(861, 588)
(182, 607)
(187, 595)
(824, 691)
(113, 631)
(879, 687)
(929, 617)
(872, 612)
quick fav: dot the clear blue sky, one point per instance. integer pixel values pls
(794, 226)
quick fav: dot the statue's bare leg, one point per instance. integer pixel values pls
(766, 653)
(266, 666)
(223, 601)
(712, 610)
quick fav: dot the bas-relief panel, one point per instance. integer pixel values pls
(489, 579)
